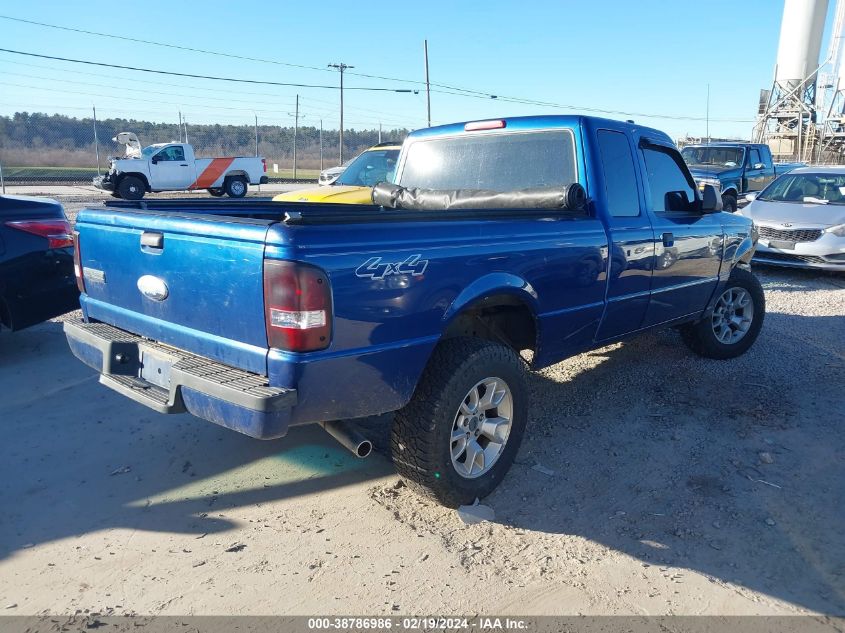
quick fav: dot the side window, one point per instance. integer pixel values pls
(754, 158)
(174, 152)
(670, 190)
(620, 180)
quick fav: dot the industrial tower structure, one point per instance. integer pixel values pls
(788, 118)
(831, 97)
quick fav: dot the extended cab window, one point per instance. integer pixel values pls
(668, 185)
(174, 152)
(623, 199)
(754, 158)
(496, 162)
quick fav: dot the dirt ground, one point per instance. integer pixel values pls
(650, 482)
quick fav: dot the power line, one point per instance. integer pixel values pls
(503, 98)
(193, 76)
(209, 52)
(383, 116)
(446, 88)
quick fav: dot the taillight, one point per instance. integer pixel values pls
(264, 163)
(57, 232)
(297, 306)
(77, 263)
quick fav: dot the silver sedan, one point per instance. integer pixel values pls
(800, 218)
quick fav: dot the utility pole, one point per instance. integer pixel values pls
(341, 67)
(427, 84)
(379, 132)
(708, 113)
(321, 144)
(96, 143)
(180, 125)
(185, 123)
(295, 132)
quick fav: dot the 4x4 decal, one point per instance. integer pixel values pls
(374, 268)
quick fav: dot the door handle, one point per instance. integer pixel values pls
(152, 239)
(668, 239)
(183, 165)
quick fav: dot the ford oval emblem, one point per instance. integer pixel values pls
(153, 288)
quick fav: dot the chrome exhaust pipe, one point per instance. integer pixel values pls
(350, 436)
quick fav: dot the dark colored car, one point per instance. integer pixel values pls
(36, 262)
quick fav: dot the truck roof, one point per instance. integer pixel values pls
(539, 122)
(727, 144)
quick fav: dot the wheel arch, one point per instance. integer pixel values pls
(500, 307)
(142, 177)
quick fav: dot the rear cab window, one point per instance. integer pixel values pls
(506, 161)
(620, 179)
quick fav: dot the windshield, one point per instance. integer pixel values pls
(806, 188)
(721, 156)
(494, 162)
(370, 168)
(149, 150)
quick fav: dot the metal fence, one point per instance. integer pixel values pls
(40, 148)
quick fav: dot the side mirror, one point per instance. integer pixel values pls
(154, 159)
(759, 166)
(751, 197)
(711, 201)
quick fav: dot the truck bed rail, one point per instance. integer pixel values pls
(311, 213)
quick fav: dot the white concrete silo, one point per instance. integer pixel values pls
(800, 41)
(788, 112)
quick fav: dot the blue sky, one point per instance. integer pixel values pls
(646, 57)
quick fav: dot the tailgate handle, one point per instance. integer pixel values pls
(152, 239)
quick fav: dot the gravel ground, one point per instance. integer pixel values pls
(650, 482)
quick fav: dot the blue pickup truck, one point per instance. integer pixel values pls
(500, 243)
(734, 168)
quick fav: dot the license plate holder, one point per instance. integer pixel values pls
(155, 367)
(783, 245)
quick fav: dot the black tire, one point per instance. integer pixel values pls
(235, 186)
(131, 188)
(217, 192)
(421, 436)
(729, 203)
(701, 336)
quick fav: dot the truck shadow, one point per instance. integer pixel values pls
(644, 449)
(77, 457)
(731, 469)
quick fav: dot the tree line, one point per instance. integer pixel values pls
(37, 139)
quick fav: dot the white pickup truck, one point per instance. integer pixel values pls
(173, 167)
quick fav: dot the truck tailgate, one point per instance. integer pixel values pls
(210, 270)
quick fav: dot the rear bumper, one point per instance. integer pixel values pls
(38, 286)
(231, 397)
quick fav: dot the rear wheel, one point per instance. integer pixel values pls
(458, 436)
(235, 187)
(217, 192)
(131, 188)
(729, 203)
(735, 322)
